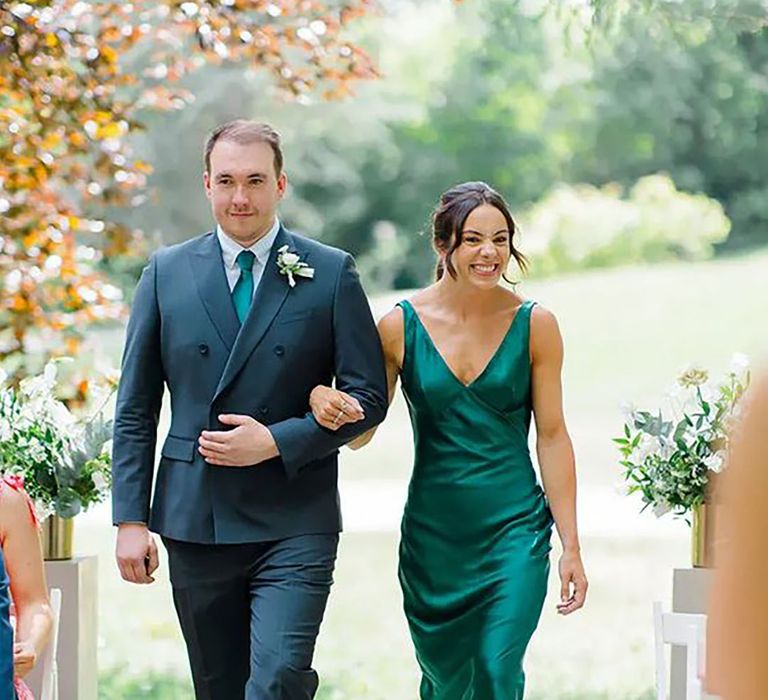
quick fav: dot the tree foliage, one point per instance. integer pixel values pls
(69, 104)
(680, 88)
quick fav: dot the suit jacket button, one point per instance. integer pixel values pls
(203, 348)
(279, 350)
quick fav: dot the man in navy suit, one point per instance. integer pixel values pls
(6, 637)
(240, 324)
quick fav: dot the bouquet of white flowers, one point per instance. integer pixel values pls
(60, 456)
(668, 455)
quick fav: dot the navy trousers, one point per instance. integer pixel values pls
(250, 614)
(6, 637)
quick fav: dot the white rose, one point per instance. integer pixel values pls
(290, 259)
(661, 509)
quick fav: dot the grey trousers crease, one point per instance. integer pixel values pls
(250, 614)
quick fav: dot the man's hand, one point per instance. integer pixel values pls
(24, 658)
(136, 553)
(247, 444)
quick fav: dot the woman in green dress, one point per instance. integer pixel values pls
(476, 361)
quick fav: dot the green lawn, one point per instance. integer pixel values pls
(627, 333)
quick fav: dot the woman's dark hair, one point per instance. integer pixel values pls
(451, 214)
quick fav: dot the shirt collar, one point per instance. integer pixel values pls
(230, 249)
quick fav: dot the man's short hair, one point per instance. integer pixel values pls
(244, 131)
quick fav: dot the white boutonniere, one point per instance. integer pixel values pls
(290, 265)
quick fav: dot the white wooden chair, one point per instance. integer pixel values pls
(50, 673)
(683, 629)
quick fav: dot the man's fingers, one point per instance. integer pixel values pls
(219, 460)
(153, 561)
(234, 419)
(222, 457)
(133, 571)
(140, 572)
(212, 445)
(220, 437)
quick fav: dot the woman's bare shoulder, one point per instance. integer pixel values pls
(543, 318)
(14, 508)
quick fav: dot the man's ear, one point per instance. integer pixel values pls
(207, 184)
(282, 184)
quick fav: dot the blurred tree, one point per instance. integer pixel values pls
(681, 88)
(68, 106)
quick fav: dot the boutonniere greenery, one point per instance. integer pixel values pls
(291, 266)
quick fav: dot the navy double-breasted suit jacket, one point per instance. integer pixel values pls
(184, 335)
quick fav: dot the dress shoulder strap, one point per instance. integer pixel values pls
(526, 309)
(410, 323)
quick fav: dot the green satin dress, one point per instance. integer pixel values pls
(474, 553)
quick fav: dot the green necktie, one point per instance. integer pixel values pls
(242, 294)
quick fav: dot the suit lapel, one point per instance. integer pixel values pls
(270, 295)
(212, 286)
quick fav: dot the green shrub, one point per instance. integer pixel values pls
(581, 226)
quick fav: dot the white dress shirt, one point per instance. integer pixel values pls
(261, 249)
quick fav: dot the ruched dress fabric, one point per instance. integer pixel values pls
(474, 551)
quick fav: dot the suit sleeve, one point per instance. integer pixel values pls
(359, 371)
(139, 399)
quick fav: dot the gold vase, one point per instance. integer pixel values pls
(57, 538)
(702, 535)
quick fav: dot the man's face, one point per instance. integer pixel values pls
(244, 189)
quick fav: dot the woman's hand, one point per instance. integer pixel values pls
(573, 583)
(24, 658)
(333, 408)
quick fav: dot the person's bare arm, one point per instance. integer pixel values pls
(555, 453)
(737, 626)
(333, 408)
(24, 564)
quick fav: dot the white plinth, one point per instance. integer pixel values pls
(690, 594)
(77, 652)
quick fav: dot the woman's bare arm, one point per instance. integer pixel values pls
(24, 564)
(555, 452)
(391, 332)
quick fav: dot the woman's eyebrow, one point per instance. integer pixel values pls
(471, 230)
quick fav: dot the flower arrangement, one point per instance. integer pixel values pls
(669, 455)
(59, 456)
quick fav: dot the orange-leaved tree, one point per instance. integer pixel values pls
(69, 101)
